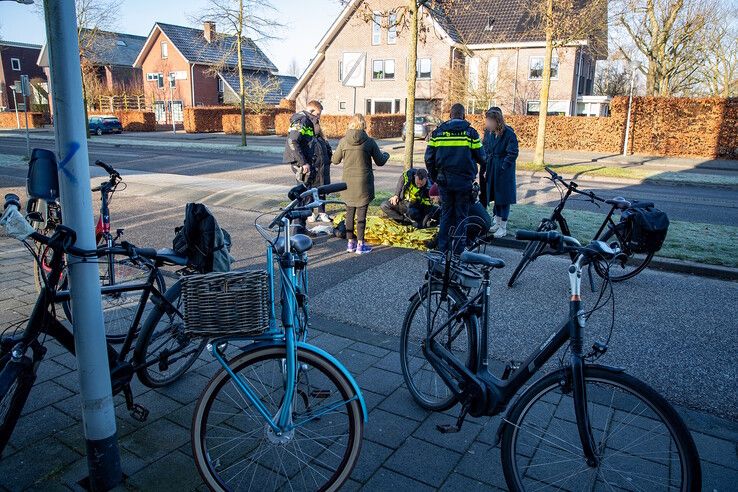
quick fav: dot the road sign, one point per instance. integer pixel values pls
(354, 69)
(25, 86)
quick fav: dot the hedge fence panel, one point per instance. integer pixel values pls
(35, 119)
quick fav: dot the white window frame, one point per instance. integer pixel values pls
(561, 102)
(384, 69)
(382, 100)
(392, 29)
(15, 64)
(430, 72)
(554, 63)
(164, 50)
(340, 70)
(376, 29)
(342, 105)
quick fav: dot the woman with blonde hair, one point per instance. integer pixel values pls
(498, 184)
(357, 151)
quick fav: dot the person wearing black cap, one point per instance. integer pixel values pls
(411, 203)
(498, 185)
(452, 155)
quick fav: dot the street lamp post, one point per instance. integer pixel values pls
(634, 66)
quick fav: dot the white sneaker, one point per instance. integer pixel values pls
(324, 218)
(495, 225)
(313, 218)
(501, 230)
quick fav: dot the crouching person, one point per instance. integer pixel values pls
(411, 203)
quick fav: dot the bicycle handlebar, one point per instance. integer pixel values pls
(293, 211)
(108, 168)
(574, 187)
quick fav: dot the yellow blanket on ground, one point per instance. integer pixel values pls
(387, 232)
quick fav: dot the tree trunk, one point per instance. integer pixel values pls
(412, 65)
(545, 86)
(241, 92)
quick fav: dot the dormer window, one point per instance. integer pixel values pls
(490, 23)
(15, 64)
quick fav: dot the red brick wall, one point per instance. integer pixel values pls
(153, 63)
(206, 87)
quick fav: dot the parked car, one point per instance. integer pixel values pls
(104, 124)
(424, 126)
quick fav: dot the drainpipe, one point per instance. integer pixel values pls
(576, 84)
(192, 84)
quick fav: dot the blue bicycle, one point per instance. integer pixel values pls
(281, 413)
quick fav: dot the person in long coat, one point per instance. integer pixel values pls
(357, 151)
(498, 184)
(321, 169)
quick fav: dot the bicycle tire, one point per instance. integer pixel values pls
(444, 398)
(273, 357)
(608, 419)
(16, 381)
(173, 326)
(638, 268)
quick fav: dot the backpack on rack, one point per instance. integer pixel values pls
(647, 227)
(201, 239)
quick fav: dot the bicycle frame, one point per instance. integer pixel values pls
(292, 335)
(491, 395)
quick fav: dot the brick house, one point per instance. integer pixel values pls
(479, 59)
(183, 66)
(18, 59)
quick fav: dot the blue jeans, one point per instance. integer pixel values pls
(454, 211)
(502, 211)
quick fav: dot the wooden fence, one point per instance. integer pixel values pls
(123, 102)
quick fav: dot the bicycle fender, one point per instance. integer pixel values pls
(319, 351)
(564, 373)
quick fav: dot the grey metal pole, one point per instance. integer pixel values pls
(627, 123)
(28, 137)
(98, 412)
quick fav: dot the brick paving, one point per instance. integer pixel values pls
(402, 449)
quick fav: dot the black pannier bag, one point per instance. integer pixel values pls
(646, 228)
(201, 239)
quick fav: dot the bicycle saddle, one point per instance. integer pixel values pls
(619, 202)
(168, 255)
(299, 243)
(479, 259)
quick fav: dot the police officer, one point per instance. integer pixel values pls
(452, 156)
(411, 202)
(298, 150)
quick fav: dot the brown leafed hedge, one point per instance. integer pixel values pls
(256, 124)
(334, 126)
(35, 120)
(207, 119)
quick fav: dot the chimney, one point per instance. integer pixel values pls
(209, 30)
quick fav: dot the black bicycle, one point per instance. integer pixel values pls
(584, 426)
(162, 351)
(616, 234)
(119, 307)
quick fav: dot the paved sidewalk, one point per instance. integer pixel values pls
(401, 451)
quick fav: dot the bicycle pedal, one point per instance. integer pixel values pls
(139, 412)
(447, 428)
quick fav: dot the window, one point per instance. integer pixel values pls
(368, 107)
(120, 42)
(152, 76)
(377, 28)
(424, 68)
(15, 64)
(473, 73)
(493, 65)
(397, 106)
(220, 84)
(392, 30)
(164, 51)
(555, 108)
(383, 69)
(536, 68)
(342, 106)
(160, 81)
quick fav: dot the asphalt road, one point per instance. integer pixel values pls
(685, 203)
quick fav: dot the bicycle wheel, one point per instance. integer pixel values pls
(424, 383)
(641, 442)
(163, 349)
(531, 252)
(235, 449)
(16, 381)
(635, 263)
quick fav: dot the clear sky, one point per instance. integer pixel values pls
(306, 21)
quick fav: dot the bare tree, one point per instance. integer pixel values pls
(241, 19)
(294, 68)
(564, 22)
(256, 91)
(718, 72)
(669, 35)
(613, 79)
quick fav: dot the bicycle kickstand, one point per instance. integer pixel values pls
(138, 412)
(451, 429)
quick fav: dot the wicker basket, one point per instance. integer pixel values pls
(230, 303)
